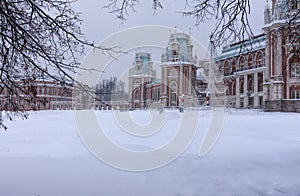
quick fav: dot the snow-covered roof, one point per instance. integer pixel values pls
(236, 49)
(283, 21)
(41, 78)
(154, 82)
(178, 62)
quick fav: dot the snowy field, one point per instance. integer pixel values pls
(256, 154)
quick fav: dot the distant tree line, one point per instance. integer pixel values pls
(108, 90)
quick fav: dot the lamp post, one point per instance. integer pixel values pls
(190, 97)
(249, 96)
(161, 109)
(182, 102)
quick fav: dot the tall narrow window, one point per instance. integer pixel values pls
(242, 86)
(173, 98)
(260, 85)
(173, 94)
(242, 63)
(233, 88)
(250, 84)
(137, 95)
(233, 68)
(259, 59)
(250, 61)
(138, 66)
(226, 68)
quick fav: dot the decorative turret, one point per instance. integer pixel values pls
(142, 65)
(179, 48)
(140, 74)
(178, 74)
(278, 13)
(267, 18)
(281, 9)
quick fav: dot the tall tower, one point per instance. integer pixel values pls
(141, 73)
(282, 62)
(281, 9)
(178, 73)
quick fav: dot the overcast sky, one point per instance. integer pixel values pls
(98, 23)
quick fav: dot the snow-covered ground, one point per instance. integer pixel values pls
(256, 154)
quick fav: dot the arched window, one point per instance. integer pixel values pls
(175, 52)
(226, 68)
(233, 66)
(242, 86)
(173, 94)
(186, 79)
(137, 94)
(175, 49)
(250, 61)
(242, 63)
(294, 67)
(259, 59)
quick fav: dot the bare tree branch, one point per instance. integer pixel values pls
(231, 19)
(39, 39)
(230, 16)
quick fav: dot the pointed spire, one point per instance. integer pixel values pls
(267, 18)
(278, 10)
(138, 51)
(267, 4)
(175, 35)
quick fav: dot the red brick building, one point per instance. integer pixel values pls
(263, 72)
(176, 85)
(41, 94)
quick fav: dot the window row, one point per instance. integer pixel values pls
(243, 63)
(231, 86)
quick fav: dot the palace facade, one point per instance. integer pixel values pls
(41, 94)
(45, 93)
(243, 66)
(176, 85)
(282, 74)
(261, 72)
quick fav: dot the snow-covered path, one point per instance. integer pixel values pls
(256, 154)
